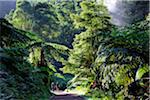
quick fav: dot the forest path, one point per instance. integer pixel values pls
(61, 95)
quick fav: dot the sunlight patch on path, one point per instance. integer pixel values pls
(64, 95)
(60, 92)
(74, 91)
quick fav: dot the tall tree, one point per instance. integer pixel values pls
(94, 20)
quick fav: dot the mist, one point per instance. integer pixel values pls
(122, 12)
(6, 6)
(127, 12)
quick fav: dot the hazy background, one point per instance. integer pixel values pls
(121, 11)
(6, 6)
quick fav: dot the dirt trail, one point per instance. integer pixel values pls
(64, 96)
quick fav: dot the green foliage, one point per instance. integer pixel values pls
(16, 58)
(96, 58)
(141, 71)
(49, 19)
(18, 81)
(119, 57)
(9, 35)
(110, 55)
(93, 16)
(84, 43)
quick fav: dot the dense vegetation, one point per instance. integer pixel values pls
(74, 44)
